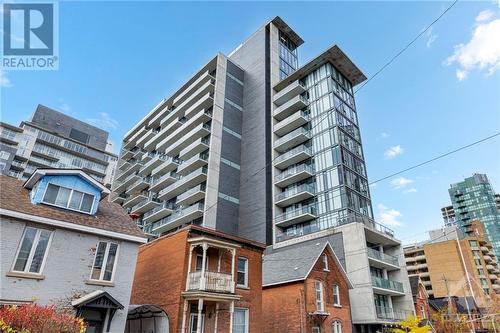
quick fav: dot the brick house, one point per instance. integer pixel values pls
(204, 280)
(63, 243)
(305, 289)
(420, 298)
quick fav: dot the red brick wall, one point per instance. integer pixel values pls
(286, 307)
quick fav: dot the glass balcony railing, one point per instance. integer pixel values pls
(292, 152)
(166, 205)
(387, 258)
(294, 191)
(291, 135)
(382, 283)
(293, 171)
(295, 213)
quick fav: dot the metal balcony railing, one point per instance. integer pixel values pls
(210, 281)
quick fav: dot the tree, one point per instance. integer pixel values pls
(411, 325)
(449, 322)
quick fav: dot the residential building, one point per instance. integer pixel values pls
(474, 199)
(448, 214)
(305, 289)
(463, 265)
(459, 309)
(64, 244)
(51, 139)
(203, 280)
(420, 298)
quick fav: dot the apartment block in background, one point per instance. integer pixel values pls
(54, 140)
(204, 280)
(460, 264)
(254, 146)
(474, 199)
(448, 214)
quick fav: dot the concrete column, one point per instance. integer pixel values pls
(203, 266)
(199, 322)
(216, 316)
(231, 314)
(190, 258)
(184, 314)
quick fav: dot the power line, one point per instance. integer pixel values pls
(407, 46)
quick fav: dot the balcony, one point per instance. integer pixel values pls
(178, 218)
(167, 179)
(183, 184)
(490, 268)
(139, 185)
(191, 196)
(148, 134)
(292, 139)
(484, 249)
(119, 198)
(187, 139)
(210, 281)
(145, 205)
(384, 312)
(167, 165)
(126, 182)
(295, 104)
(387, 287)
(295, 194)
(200, 81)
(487, 259)
(193, 163)
(134, 199)
(163, 132)
(159, 212)
(295, 216)
(133, 167)
(131, 142)
(290, 91)
(155, 161)
(493, 277)
(293, 156)
(204, 102)
(382, 260)
(287, 125)
(293, 175)
(197, 147)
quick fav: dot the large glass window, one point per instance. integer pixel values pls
(240, 320)
(68, 198)
(32, 250)
(104, 261)
(242, 276)
(288, 56)
(320, 306)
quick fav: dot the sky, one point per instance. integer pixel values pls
(119, 59)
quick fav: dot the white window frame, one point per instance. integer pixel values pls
(337, 326)
(246, 273)
(247, 317)
(336, 291)
(32, 251)
(69, 199)
(325, 263)
(316, 329)
(105, 261)
(320, 303)
(196, 262)
(194, 317)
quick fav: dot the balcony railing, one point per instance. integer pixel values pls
(387, 258)
(293, 138)
(293, 171)
(384, 312)
(382, 283)
(288, 157)
(296, 215)
(294, 191)
(210, 281)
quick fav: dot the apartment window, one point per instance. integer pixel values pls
(316, 329)
(32, 251)
(242, 276)
(336, 295)
(473, 243)
(319, 296)
(337, 327)
(240, 320)
(325, 263)
(104, 261)
(193, 323)
(422, 312)
(68, 198)
(199, 261)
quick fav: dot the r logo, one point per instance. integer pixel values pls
(28, 29)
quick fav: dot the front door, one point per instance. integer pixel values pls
(193, 323)
(93, 326)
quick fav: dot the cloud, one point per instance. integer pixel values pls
(400, 183)
(393, 152)
(389, 216)
(105, 121)
(4, 80)
(431, 37)
(410, 190)
(482, 51)
(384, 135)
(65, 107)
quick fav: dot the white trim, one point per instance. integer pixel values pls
(38, 231)
(82, 299)
(322, 295)
(69, 199)
(336, 291)
(105, 261)
(337, 261)
(247, 317)
(72, 226)
(245, 285)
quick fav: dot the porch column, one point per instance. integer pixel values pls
(190, 255)
(200, 322)
(203, 266)
(233, 253)
(216, 316)
(184, 314)
(231, 314)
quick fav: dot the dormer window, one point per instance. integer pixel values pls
(68, 198)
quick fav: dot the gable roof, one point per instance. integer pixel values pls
(460, 303)
(39, 173)
(294, 263)
(14, 200)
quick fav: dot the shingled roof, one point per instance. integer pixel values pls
(110, 216)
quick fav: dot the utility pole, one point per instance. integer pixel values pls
(447, 293)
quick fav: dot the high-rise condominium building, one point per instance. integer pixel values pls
(54, 140)
(448, 214)
(256, 146)
(474, 199)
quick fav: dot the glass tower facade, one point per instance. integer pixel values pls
(474, 199)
